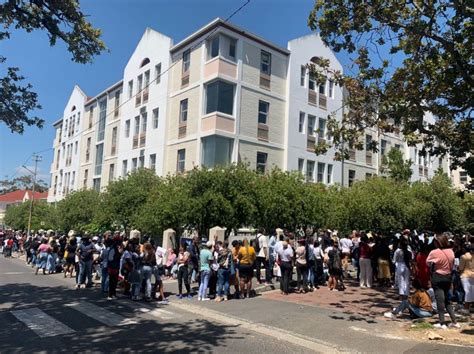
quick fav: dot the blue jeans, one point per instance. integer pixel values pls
(205, 275)
(104, 280)
(85, 270)
(223, 282)
(146, 276)
(42, 260)
(414, 310)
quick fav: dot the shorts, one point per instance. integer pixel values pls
(335, 272)
(246, 271)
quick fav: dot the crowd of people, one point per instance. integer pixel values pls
(435, 269)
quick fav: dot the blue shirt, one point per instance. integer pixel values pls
(205, 257)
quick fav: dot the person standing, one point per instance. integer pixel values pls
(262, 256)
(205, 258)
(224, 259)
(441, 261)
(346, 247)
(193, 264)
(113, 266)
(43, 250)
(247, 258)
(301, 267)
(335, 268)
(148, 261)
(365, 262)
(466, 267)
(402, 259)
(183, 261)
(85, 252)
(70, 257)
(285, 259)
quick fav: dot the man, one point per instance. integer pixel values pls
(193, 264)
(262, 257)
(85, 253)
(345, 246)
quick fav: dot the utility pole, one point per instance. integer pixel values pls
(36, 159)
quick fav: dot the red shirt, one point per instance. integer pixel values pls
(10, 243)
(365, 251)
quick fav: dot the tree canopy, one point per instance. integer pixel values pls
(22, 182)
(61, 20)
(396, 166)
(410, 58)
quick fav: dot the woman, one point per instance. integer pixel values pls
(301, 267)
(234, 269)
(466, 268)
(113, 267)
(247, 258)
(206, 258)
(402, 259)
(365, 262)
(382, 254)
(285, 259)
(170, 261)
(70, 257)
(182, 261)
(441, 263)
(335, 268)
(148, 261)
(224, 259)
(43, 251)
(422, 269)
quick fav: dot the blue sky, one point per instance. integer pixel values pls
(53, 74)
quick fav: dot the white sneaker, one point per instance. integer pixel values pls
(440, 326)
(205, 299)
(454, 325)
(199, 298)
(388, 315)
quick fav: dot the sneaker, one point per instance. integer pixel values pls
(218, 299)
(440, 326)
(454, 325)
(189, 296)
(199, 298)
(225, 298)
(388, 315)
(110, 298)
(205, 299)
(180, 296)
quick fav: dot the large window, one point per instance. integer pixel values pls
(96, 184)
(213, 47)
(130, 89)
(300, 165)
(263, 108)
(181, 159)
(223, 46)
(322, 128)
(322, 89)
(147, 78)
(265, 63)
(117, 100)
(152, 162)
(158, 73)
(383, 147)
(321, 167)
(262, 162)
(144, 122)
(220, 97)
(102, 116)
(86, 175)
(331, 89)
(127, 128)
(368, 143)
(311, 124)
(310, 171)
(216, 151)
(139, 83)
(183, 111)
(99, 156)
(134, 164)
(124, 168)
(111, 172)
(329, 174)
(156, 114)
(352, 175)
(312, 82)
(88, 149)
(186, 61)
(137, 125)
(303, 75)
(301, 122)
(114, 141)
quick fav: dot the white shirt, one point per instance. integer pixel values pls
(345, 245)
(262, 243)
(285, 255)
(318, 253)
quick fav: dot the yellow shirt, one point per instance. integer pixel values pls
(247, 255)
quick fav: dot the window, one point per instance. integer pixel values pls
(181, 157)
(75, 147)
(144, 122)
(263, 108)
(137, 125)
(117, 100)
(232, 46)
(352, 174)
(102, 117)
(86, 176)
(303, 75)
(440, 162)
(383, 147)
(134, 164)
(368, 175)
(183, 111)
(368, 143)
(322, 128)
(152, 162)
(262, 162)
(91, 116)
(139, 83)
(463, 177)
(265, 63)
(147, 78)
(141, 161)
(220, 97)
(216, 151)
(329, 174)
(397, 146)
(124, 168)
(130, 89)
(186, 61)
(300, 165)
(213, 47)
(78, 120)
(331, 89)
(301, 122)
(321, 167)
(156, 114)
(420, 158)
(311, 124)
(127, 128)
(99, 155)
(322, 89)
(96, 184)
(114, 140)
(88, 149)
(310, 171)
(158, 73)
(312, 82)
(73, 178)
(111, 172)
(57, 161)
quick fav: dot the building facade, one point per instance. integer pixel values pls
(220, 96)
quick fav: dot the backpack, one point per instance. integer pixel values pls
(257, 244)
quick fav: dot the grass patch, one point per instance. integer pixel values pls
(419, 326)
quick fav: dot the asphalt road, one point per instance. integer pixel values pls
(46, 313)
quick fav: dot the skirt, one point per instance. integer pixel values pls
(245, 271)
(384, 269)
(468, 286)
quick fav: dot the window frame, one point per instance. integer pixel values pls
(261, 113)
(263, 62)
(127, 128)
(310, 171)
(218, 101)
(157, 73)
(186, 57)
(156, 117)
(181, 162)
(259, 164)
(183, 111)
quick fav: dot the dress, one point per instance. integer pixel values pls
(423, 274)
(402, 273)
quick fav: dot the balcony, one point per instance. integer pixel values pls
(185, 79)
(182, 130)
(310, 143)
(265, 81)
(368, 158)
(145, 95)
(138, 99)
(262, 132)
(323, 101)
(113, 150)
(217, 121)
(219, 66)
(135, 142)
(312, 97)
(116, 112)
(142, 139)
(425, 171)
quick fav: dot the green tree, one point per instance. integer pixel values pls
(43, 216)
(78, 210)
(396, 166)
(410, 58)
(61, 20)
(22, 182)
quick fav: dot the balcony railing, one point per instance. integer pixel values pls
(323, 101)
(182, 130)
(262, 132)
(145, 95)
(368, 158)
(135, 141)
(138, 99)
(185, 79)
(310, 143)
(265, 81)
(142, 139)
(312, 97)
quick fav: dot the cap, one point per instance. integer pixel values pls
(209, 244)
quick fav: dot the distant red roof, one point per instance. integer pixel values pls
(18, 196)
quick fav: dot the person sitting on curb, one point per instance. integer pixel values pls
(419, 304)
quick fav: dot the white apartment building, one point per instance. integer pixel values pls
(220, 96)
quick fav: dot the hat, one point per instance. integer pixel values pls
(209, 244)
(95, 238)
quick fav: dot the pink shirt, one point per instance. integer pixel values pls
(443, 260)
(44, 247)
